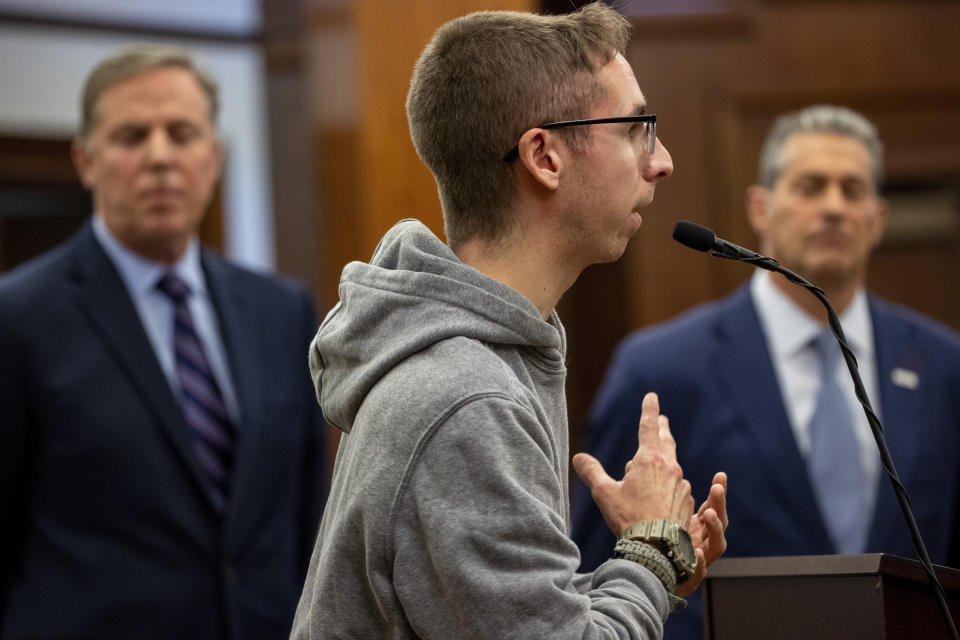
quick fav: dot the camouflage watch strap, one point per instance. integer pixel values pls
(650, 558)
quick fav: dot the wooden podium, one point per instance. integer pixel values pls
(870, 596)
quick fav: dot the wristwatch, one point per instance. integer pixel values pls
(669, 538)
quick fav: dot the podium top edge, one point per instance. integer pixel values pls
(829, 565)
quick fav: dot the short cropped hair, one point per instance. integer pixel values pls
(821, 118)
(133, 60)
(486, 78)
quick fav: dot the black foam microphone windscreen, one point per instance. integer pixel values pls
(694, 236)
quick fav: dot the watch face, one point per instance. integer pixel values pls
(686, 561)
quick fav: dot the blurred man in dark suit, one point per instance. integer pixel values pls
(161, 458)
(754, 383)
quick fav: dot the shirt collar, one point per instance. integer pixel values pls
(141, 274)
(791, 329)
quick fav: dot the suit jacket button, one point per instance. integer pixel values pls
(230, 574)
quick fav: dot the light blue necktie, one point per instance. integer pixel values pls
(835, 466)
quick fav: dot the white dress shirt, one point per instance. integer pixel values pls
(789, 331)
(140, 275)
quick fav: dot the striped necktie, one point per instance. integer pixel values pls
(836, 470)
(202, 403)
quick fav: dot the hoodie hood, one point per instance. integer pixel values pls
(414, 293)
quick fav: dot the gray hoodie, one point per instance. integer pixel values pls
(449, 514)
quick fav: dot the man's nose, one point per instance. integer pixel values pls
(660, 164)
(158, 148)
(833, 201)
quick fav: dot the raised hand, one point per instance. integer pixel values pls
(652, 486)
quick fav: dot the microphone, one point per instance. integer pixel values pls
(701, 238)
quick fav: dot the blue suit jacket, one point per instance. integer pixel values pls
(716, 383)
(105, 531)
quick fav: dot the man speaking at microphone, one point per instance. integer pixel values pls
(755, 384)
(444, 362)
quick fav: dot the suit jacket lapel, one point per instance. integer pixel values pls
(899, 406)
(743, 363)
(240, 328)
(104, 300)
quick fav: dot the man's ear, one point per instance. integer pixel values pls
(756, 201)
(539, 155)
(82, 161)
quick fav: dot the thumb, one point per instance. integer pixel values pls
(590, 470)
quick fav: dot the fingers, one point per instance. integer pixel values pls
(605, 491)
(707, 527)
(666, 437)
(590, 470)
(648, 433)
(683, 502)
(713, 545)
(706, 530)
(654, 429)
(720, 478)
(717, 498)
(715, 541)
(654, 437)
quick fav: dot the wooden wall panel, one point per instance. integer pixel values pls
(369, 174)
(716, 82)
(354, 61)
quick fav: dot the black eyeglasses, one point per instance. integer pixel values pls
(648, 137)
